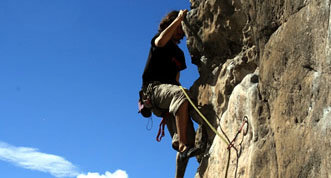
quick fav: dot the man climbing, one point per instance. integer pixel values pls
(161, 84)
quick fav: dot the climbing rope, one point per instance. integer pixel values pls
(203, 117)
(227, 141)
(239, 131)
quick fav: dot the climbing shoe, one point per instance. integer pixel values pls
(189, 152)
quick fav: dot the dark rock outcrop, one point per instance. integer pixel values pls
(269, 61)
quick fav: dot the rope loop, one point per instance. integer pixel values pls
(245, 121)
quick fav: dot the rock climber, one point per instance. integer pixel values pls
(161, 83)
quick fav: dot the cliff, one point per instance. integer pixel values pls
(268, 62)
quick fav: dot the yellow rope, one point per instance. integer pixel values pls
(203, 117)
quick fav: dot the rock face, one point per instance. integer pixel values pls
(268, 62)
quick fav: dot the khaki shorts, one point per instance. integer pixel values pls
(167, 97)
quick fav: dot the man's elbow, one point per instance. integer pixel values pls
(159, 43)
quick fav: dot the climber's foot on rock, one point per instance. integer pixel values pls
(189, 152)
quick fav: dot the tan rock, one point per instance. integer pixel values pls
(269, 61)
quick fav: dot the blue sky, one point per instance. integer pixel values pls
(70, 71)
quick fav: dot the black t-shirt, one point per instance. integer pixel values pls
(163, 63)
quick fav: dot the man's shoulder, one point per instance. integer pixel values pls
(153, 39)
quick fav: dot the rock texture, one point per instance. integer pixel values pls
(269, 62)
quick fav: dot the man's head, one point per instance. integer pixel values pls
(166, 21)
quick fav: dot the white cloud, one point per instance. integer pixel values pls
(117, 174)
(31, 158)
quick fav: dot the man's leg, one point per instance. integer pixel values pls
(181, 123)
(171, 98)
(181, 165)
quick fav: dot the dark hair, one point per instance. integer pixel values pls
(167, 20)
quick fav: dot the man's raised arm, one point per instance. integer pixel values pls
(167, 34)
